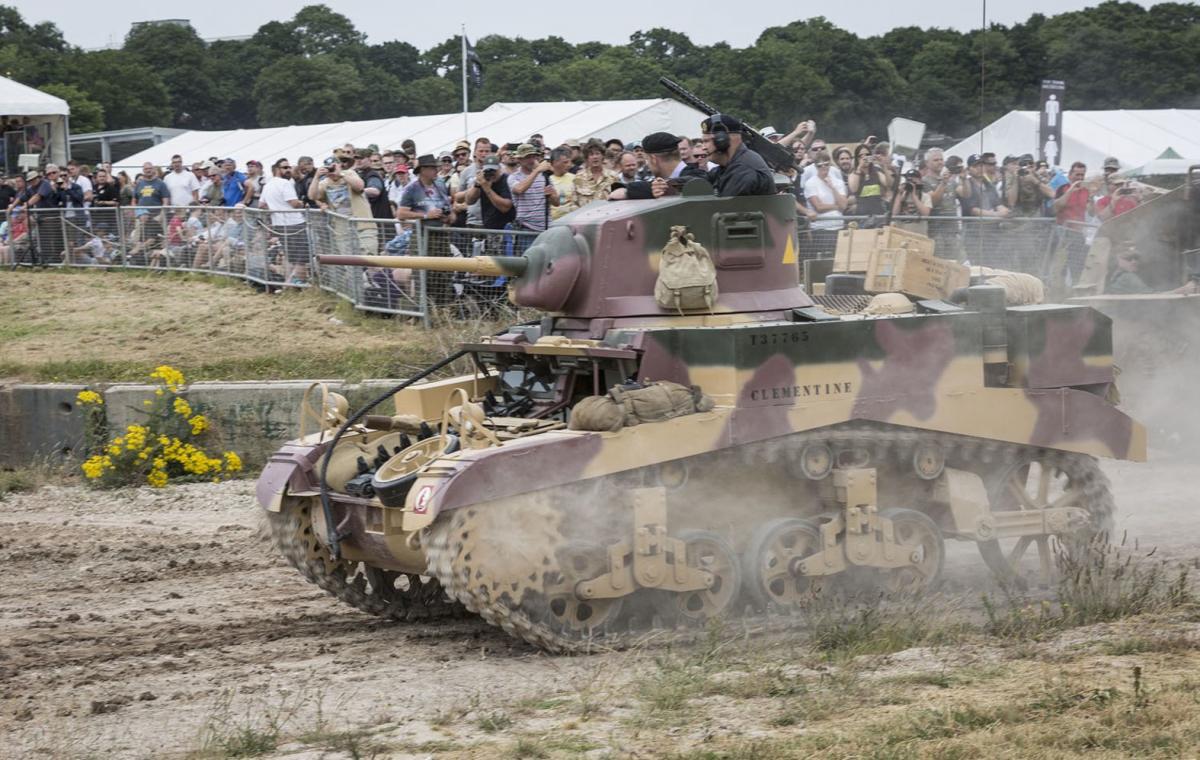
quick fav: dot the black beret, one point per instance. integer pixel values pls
(730, 123)
(660, 142)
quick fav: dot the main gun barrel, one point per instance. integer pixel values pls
(513, 266)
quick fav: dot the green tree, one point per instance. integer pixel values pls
(86, 114)
(181, 58)
(319, 30)
(132, 93)
(312, 90)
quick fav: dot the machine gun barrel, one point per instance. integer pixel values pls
(778, 157)
(512, 266)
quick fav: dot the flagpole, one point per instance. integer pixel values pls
(466, 129)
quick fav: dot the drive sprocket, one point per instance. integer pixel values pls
(374, 590)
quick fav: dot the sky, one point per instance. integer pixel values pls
(98, 23)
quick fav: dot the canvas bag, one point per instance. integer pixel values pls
(628, 406)
(687, 278)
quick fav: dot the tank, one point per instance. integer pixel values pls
(1155, 333)
(816, 450)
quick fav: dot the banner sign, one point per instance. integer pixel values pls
(1050, 123)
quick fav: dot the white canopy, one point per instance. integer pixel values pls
(500, 122)
(41, 109)
(1133, 137)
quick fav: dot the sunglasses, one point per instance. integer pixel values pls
(446, 160)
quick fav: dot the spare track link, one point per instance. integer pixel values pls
(983, 456)
(423, 599)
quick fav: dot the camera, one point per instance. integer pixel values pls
(491, 172)
(1022, 172)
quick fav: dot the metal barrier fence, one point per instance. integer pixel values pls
(277, 250)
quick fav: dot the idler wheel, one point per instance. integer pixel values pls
(707, 551)
(395, 477)
(767, 562)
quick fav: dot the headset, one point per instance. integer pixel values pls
(719, 132)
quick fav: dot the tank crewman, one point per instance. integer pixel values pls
(667, 166)
(740, 171)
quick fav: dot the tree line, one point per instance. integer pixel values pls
(317, 67)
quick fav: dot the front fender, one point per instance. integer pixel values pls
(291, 469)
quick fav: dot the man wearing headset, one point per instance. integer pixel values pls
(740, 171)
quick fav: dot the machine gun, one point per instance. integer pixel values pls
(777, 157)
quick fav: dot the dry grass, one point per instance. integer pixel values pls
(97, 325)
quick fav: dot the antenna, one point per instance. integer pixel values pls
(982, 71)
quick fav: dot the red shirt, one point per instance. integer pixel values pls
(1076, 208)
(1122, 204)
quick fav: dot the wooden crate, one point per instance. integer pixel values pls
(914, 273)
(854, 246)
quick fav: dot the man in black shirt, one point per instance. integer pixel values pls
(740, 171)
(667, 166)
(494, 196)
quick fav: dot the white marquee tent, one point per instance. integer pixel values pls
(1133, 137)
(500, 122)
(36, 109)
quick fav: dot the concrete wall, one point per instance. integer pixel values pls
(43, 422)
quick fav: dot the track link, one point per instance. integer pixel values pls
(451, 548)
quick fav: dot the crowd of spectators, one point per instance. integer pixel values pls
(194, 215)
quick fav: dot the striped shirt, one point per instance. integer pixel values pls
(531, 204)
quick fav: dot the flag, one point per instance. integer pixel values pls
(474, 65)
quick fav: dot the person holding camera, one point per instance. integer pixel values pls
(490, 189)
(532, 192)
(1122, 196)
(912, 203)
(940, 179)
(871, 179)
(1024, 190)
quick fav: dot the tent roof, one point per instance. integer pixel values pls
(500, 122)
(1133, 137)
(17, 99)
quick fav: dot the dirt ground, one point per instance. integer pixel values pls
(148, 624)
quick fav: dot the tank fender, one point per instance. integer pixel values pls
(291, 469)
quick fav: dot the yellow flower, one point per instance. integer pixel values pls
(147, 402)
(233, 463)
(160, 463)
(182, 407)
(113, 449)
(158, 392)
(157, 478)
(95, 466)
(89, 397)
(199, 424)
(169, 376)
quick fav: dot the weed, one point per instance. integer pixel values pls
(528, 748)
(493, 722)
(876, 624)
(16, 481)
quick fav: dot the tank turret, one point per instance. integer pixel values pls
(601, 262)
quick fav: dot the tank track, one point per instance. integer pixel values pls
(449, 554)
(384, 593)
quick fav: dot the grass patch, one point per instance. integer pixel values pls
(117, 326)
(1097, 582)
(493, 722)
(17, 481)
(875, 625)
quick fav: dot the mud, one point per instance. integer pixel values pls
(143, 623)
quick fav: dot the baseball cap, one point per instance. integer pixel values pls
(571, 143)
(363, 152)
(1112, 163)
(769, 132)
(491, 162)
(973, 159)
(525, 149)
